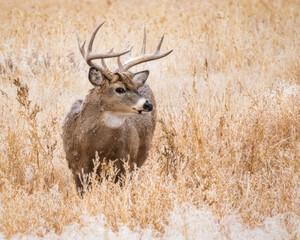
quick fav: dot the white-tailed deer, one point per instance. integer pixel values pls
(117, 118)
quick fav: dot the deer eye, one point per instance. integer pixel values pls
(120, 90)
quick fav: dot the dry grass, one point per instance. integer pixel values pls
(228, 136)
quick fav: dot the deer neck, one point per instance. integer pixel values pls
(96, 114)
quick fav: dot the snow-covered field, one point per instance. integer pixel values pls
(184, 223)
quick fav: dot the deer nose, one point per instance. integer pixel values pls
(148, 106)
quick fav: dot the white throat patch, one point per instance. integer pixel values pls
(113, 120)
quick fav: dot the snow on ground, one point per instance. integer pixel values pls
(184, 223)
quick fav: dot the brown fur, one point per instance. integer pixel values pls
(84, 132)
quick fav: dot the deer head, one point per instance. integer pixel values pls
(118, 90)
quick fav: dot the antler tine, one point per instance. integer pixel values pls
(120, 65)
(130, 51)
(90, 46)
(147, 57)
(81, 46)
(103, 62)
(160, 43)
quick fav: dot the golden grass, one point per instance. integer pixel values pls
(228, 136)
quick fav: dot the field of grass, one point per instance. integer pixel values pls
(225, 158)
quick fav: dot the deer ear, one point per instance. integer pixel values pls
(140, 77)
(95, 77)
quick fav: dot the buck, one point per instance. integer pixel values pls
(117, 118)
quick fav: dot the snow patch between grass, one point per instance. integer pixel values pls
(184, 223)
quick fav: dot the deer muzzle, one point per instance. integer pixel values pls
(148, 106)
(143, 105)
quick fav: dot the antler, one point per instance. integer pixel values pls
(89, 55)
(145, 57)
